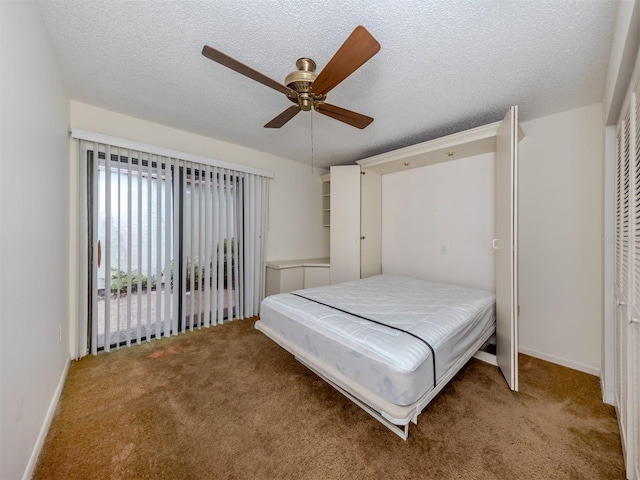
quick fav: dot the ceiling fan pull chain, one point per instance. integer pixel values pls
(312, 142)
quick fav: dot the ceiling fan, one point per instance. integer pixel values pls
(308, 89)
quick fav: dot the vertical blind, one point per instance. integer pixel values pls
(173, 244)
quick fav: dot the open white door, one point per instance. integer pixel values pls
(506, 247)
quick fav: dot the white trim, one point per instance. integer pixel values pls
(471, 142)
(560, 361)
(35, 453)
(155, 150)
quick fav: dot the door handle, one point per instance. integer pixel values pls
(494, 244)
(99, 254)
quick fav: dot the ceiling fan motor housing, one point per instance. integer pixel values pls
(301, 81)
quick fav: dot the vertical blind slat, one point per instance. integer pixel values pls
(264, 215)
(158, 267)
(107, 249)
(201, 252)
(129, 246)
(116, 340)
(94, 236)
(252, 239)
(192, 250)
(208, 245)
(236, 249)
(214, 242)
(221, 211)
(168, 293)
(228, 244)
(183, 292)
(177, 292)
(149, 223)
(139, 277)
(240, 245)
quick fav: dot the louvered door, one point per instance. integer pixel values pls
(627, 282)
(633, 356)
(623, 200)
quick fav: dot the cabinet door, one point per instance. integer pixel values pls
(283, 280)
(345, 223)
(316, 276)
(506, 247)
(370, 224)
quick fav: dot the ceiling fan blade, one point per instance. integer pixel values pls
(233, 64)
(355, 51)
(347, 116)
(284, 117)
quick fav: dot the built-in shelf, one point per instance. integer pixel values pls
(326, 200)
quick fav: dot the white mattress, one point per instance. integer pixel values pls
(392, 364)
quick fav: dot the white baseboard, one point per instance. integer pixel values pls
(33, 459)
(560, 361)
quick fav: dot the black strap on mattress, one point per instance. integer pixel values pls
(433, 353)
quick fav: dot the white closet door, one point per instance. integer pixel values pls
(345, 223)
(370, 224)
(635, 327)
(506, 247)
(632, 320)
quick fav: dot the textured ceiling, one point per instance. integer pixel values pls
(444, 66)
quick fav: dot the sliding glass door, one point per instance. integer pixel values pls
(173, 245)
(133, 204)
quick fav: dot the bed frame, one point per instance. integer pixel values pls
(395, 417)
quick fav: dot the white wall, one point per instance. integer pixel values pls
(447, 205)
(34, 248)
(561, 238)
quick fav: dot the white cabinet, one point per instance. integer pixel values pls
(285, 276)
(283, 279)
(355, 201)
(316, 275)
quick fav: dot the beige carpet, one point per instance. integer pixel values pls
(228, 403)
